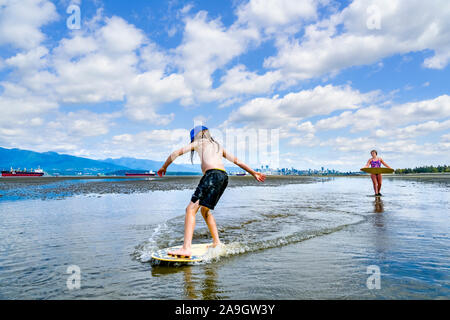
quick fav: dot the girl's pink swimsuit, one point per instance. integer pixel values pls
(375, 164)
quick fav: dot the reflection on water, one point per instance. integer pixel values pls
(312, 239)
(378, 205)
(196, 286)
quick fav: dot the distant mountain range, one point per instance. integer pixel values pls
(142, 164)
(63, 164)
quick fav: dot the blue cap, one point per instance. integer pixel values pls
(196, 130)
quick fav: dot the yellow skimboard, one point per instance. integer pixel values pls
(200, 252)
(377, 170)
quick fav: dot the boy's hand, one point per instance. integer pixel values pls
(161, 172)
(261, 177)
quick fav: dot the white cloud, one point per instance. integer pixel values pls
(64, 133)
(96, 66)
(94, 78)
(21, 22)
(445, 137)
(344, 40)
(101, 64)
(374, 116)
(413, 130)
(305, 140)
(385, 132)
(304, 135)
(148, 90)
(152, 144)
(273, 15)
(288, 110)
(29, 61)
(403, 147)
(307, 127)
(118, 36)
(153, 58)
(17, 104)
(207, 45)
(82, 123)
(155, 137)
(238, 80)
(76, 46)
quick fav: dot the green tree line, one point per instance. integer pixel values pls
(425, 169)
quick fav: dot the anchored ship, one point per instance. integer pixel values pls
(143, 174)
(23, 173)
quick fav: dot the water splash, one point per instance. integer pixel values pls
(145, 251)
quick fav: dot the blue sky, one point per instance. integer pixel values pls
(331, 79)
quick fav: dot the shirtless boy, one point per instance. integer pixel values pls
(211, 186)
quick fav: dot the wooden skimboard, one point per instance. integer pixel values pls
(377, 170)
(200, 252)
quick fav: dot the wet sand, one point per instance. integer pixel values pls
(60, 187)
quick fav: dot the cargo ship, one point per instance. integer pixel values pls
(142, 174)
(23, 173)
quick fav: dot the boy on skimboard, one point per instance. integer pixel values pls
(211, 186)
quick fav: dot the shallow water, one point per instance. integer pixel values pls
(303, 238)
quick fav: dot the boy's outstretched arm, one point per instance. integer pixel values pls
(257, 175)
(173, 156)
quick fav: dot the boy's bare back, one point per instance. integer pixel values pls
(210, 154)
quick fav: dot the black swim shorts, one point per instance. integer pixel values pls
(210, 188)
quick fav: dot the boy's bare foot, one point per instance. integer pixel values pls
(180, 252)
(213, 245)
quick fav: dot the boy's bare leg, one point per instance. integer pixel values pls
(211, 222)
(189, 225)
